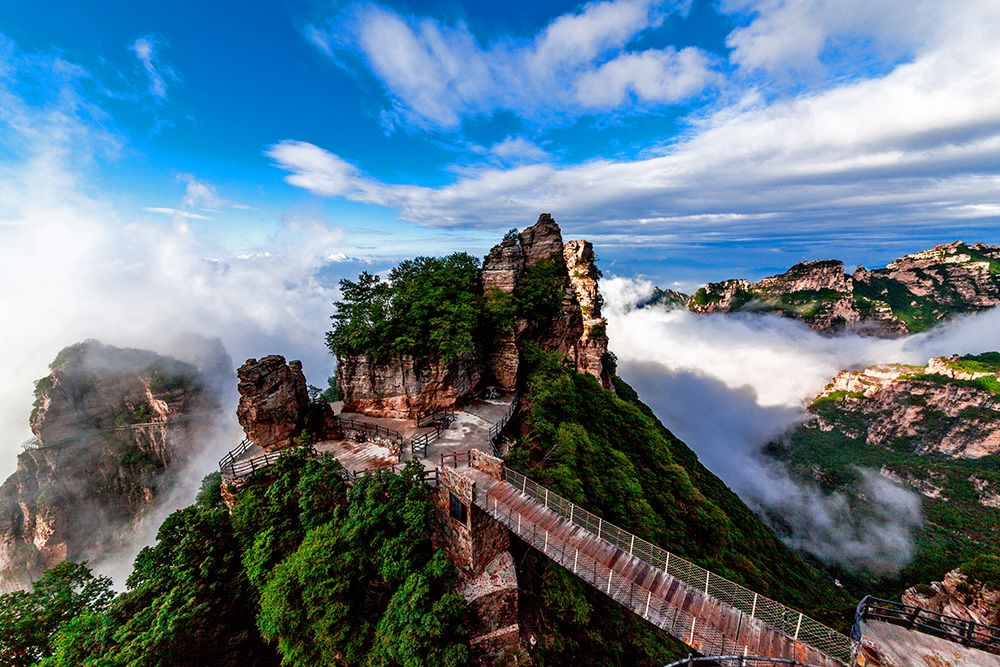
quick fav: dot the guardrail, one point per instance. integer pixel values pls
(961, 631)
(34, 443)
(792, 623)
(434, 417)
(737, 661)
(441, 420)
(368, 428)
(499, 426)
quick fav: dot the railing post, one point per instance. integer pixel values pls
(666, 564)
(707, 575)
(524, 483)
(571, 506)
(649, 597)
(691, 636)
(576, 556)
(546, 498)
(545, 548)
(600, 523)
(631, 546)
(798, 626)
(753, 610)
(610, 572)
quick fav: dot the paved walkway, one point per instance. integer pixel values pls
(470, 430)
(900, 647)
(705, 623)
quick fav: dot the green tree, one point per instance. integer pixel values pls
(29, 620)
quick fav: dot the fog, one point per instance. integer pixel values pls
(728, 384)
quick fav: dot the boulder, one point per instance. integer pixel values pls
(274, 401)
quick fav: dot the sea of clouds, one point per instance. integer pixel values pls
(728, 384)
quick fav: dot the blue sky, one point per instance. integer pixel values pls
(451, 122)
(217, 166)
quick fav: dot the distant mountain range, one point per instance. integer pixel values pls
(911, 294)
(933, 428)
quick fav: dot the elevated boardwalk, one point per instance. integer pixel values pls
(691, 614)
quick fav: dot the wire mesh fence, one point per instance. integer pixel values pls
(789, 622)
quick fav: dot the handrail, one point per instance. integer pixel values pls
(737, 661)
(34, 443)
(786, 620)
(367, 427)
(959, 630)
(498, 427)
(235, 453)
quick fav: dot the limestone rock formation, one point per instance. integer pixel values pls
(274, 405)
(576, 330)
(956, 595)
(110, 425)
(403, 387)
(942, 408)
(583, 276)
(911, 294)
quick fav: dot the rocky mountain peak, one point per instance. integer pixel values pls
(110, 425)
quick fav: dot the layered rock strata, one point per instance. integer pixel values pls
(938, 409)
(957, 596)
(274, 406)
(109, 424)
(404, 386)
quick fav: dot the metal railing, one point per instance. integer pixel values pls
(435, 416)
(441, 420)
(369, 429)
(788, 621)
(737, 661)
(34, 443)
(498, 427)
(959, 630)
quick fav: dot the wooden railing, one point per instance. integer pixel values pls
(789, 622)
(737, 661)
(959, 630)
(456, 459)
(441, 420)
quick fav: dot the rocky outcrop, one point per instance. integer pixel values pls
(274, 406)
(403, 387)
(583, 275)
(110, 425)
(942, 408)
(960, 596)
(911, 294)
(667, 299)
(576, 330)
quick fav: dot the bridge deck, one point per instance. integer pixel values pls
(702, 622)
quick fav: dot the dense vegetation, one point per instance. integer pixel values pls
(429, 306)
(957, 526)
(611, 455)
(304, 572)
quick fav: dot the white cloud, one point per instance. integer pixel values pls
(797, 36)
(518, 148)
(917, 147)
(438, 74)
(147, 51)
(176, 212)
(655, 75)
(199, 194)
(729, 384)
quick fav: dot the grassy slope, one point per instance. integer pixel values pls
(956, 527)
(611, 455)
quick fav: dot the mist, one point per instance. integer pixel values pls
(727, 384)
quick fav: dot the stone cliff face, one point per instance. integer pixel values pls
(576, 330)
(957, 596)
(404, 386)
(274, 406)
(109, 425)
(938, 409)
(911, 294)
